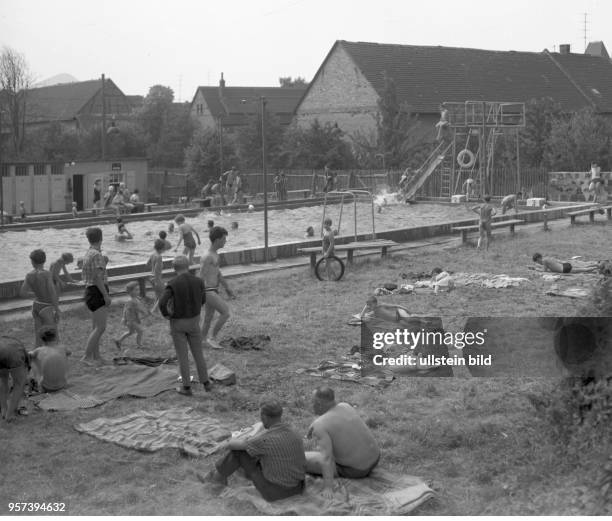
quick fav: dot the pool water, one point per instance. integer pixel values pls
(284, 225)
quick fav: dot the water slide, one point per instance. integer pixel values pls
(428, 167)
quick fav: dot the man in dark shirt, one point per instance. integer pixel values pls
(182, 303)
(273, 458)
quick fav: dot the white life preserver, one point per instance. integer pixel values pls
(471, 158)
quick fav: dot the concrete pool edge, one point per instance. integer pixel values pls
(10, 289)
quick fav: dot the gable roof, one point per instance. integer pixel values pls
(65, 101)
(425, 76)
(280, 101)
(597, 49)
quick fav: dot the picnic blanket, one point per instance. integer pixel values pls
(381, 493)
(150, 431)
(108, 383)
(487, 280)
(568, 292)
(151, 361)
(349, 371)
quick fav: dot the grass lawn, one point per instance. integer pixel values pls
(481, 441)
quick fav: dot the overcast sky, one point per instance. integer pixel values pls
(186, 43)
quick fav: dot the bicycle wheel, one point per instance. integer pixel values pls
(331, 268)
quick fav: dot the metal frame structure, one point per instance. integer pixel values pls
(354, 194)
(486, 120)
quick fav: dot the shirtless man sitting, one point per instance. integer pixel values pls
(558, 266)
(49, 362)
(345, 445)
(211, 275)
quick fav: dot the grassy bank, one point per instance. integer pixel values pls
(490, 446)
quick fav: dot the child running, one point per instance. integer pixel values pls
(132, 311)
(39, 282)
(211, 275)
(156, 263)
(186, 232)
(485, 212)
(60, 265)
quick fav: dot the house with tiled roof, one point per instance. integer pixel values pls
(75, 105)
(234, 107)
(351, 80)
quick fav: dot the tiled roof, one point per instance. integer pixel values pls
(280, 101)
(425, 76)
(61, 102)
(592, 74)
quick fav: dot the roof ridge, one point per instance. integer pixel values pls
(439, 47)
(571, 79)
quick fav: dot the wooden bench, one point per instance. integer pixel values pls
(144, 277)
(350, 248)
(203, 202)
(148, 206)
(591, 213)
(475, 227)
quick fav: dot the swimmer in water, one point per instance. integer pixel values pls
(122, 231)
(171, 228)
(234, 225)
(309, 232)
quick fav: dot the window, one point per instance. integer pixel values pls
(4, 170)
(57, 169)
(200, 109)
(21, 170)
(115, 178)
(39, 169)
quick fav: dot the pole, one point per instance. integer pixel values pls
(220, 146)
(103, 137)
(1, 178)
(265, 183)
(518, 162)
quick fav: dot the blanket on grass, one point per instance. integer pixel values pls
(108, 383)
(381, 493)
(257, 342)
(349, 371)
(151, 431)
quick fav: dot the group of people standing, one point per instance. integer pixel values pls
(228, 189)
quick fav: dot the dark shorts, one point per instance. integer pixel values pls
(351, 473)
(12, 354)
(93, 298)
(567, 267)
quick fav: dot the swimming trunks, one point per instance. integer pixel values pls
(567, 267)
(213, 290)
(352, 473)
(93, 298)
(189, 241)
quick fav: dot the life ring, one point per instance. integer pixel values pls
(461, 156)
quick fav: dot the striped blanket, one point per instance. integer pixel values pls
(150, 431)
(382, 493)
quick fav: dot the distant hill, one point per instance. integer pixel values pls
(56, 80)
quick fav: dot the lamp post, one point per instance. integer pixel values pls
(1, 178)
(103, 136)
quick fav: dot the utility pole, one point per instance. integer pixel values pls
(265, 175)
(1, 177)
(103, 136)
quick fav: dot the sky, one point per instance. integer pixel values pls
(185, 43)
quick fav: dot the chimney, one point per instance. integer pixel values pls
(221, 84)
(564, 48)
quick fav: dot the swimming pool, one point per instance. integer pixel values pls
(284, 225)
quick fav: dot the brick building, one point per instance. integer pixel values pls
(350, 81)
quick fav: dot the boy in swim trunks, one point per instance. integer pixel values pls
(60, 265)
(211, 275)
(557, 266)
(97, 297)
(132, 312)
(14, 362)
(186, 232)
(49, 362)
(485, 212)
(156, 263)
(39, 282)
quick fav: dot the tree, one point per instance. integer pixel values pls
(175, 136)
(576, 141)
(248, 141)
(540, 115)
(398, 139)
(154, 112)
(202, 157)
(15, 80)
(289, 82)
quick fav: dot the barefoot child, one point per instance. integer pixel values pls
(328, 246)
(211, 275)
(49, 362)
(485, 212)
(186, 232)
(39, 282)
(133, 311)
(156, 263)
(60, 265)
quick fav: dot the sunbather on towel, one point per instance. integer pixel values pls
(558, 266)
(273, 459)
(390, 313)
(346, 446)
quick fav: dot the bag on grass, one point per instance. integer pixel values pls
(223, 375)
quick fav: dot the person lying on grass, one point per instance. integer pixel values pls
(346, 447)
(388, 312)
(273, 458)
(557, 266)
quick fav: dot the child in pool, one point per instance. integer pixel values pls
(122, 232)
(167, 244)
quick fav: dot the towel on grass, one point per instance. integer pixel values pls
(487, 280)
(151, 431)
(257, 342)
(108, 383)
(151, 361)
(568, 292)
(381, 493)
(350, 371)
